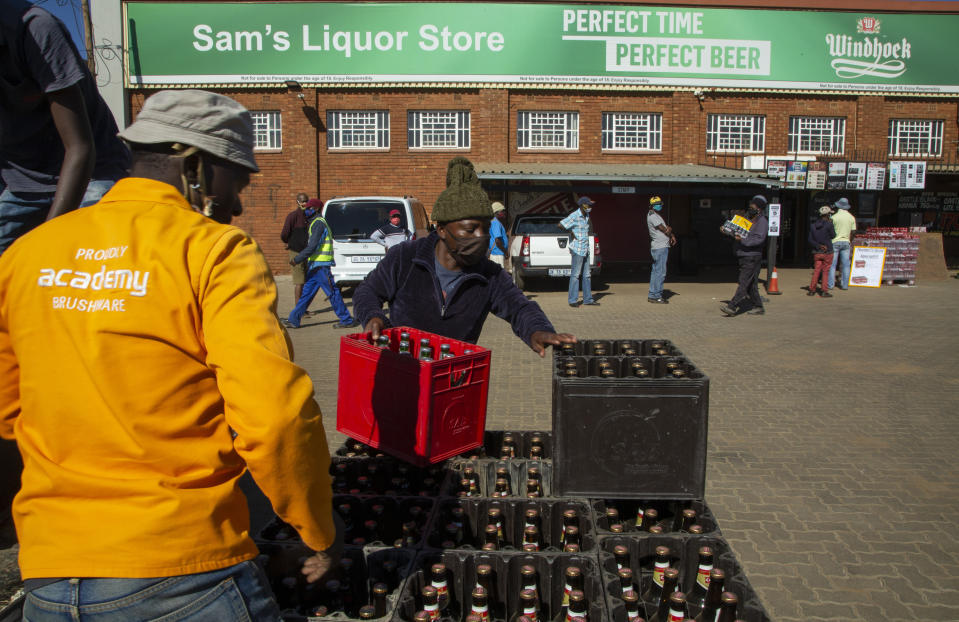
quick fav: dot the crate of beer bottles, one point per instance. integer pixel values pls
(629, 427)
(421, 398)
(511, 582)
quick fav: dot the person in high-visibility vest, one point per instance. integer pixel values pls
(318, 256)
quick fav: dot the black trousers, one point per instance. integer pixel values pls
(748, 284)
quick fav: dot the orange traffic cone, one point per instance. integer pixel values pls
(772, 287)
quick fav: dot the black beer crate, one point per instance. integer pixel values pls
(389, 513)
(493, 442)
(518, 471)
(669, 511)
(626, 437)
(461, 578)
(476, 511)
(295, 597)
(374, 476)
(684, 556)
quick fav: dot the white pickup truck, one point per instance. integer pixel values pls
(539, 248)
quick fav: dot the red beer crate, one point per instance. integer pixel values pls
(419, 411)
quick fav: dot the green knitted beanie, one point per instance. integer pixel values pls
(463, 198)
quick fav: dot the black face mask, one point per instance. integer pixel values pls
(752, 212)
(469, 251)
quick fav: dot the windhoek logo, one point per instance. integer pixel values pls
(855, 57)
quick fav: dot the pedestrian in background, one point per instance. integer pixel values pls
(577, 223)
(392, 233)
(749, 254)
(58, 140)
(845, 225)
(318, 257)
(171, 383)
(498, 242)
(660, 239)
(294, 234)
(821, 233)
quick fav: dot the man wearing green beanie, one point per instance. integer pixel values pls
(444, 283)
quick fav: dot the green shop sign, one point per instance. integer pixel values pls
(455, 43)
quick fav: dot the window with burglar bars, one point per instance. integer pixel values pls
(547, 130)
(915, 138)
(436, 129)
(267, 130)
(736, 132)
(358, 129)
(632, 131)
(817, 134)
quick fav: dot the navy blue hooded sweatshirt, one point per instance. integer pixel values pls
(406, 279)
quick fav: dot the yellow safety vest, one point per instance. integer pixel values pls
(324, 252)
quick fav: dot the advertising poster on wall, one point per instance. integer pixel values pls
(816, 176)
(836, 180)
(796, 175)
(775, 212)
(777, 169)
(908, 175)
(856, 176)
(875, 176)
(867, 264)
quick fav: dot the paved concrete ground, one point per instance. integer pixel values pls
(832, 430)
(832, 435)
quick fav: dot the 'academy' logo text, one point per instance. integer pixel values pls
(883, 59)
(133, 281)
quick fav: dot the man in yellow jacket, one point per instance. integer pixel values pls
(136, 336)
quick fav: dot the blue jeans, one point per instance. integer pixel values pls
(840, 253)
(580, 268)
(317, 278)
(657, 275)
(23, 211)
(239, 592)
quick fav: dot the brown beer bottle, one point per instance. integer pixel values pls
(480, 603)
(696, 529)
(714, 597)
(367, 612)
(574, 581)
(570, 519)
(439, 582)
(686, 520)
(633, 607)
(660, 565)
(727, 611)
(502, 487)
(697, 594)
(578, 609)
(625, 580)
(621, 555)
(537, 446)
(531, 537)
(533, 490)
(430, 602)
(569, 547)
(529, 579)
(572, 536)
(421, 616)
(380, 590)
(670, 583)
(650, 516)
(491, 539)
(509, 442)
(528, 606)
(495, 517)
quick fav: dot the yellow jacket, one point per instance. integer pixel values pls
(134, 335)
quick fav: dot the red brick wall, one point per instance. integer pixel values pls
(306, 165)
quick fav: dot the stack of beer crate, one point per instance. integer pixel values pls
(592, 515)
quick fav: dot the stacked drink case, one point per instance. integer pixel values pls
(492, 534)
(499, 557)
